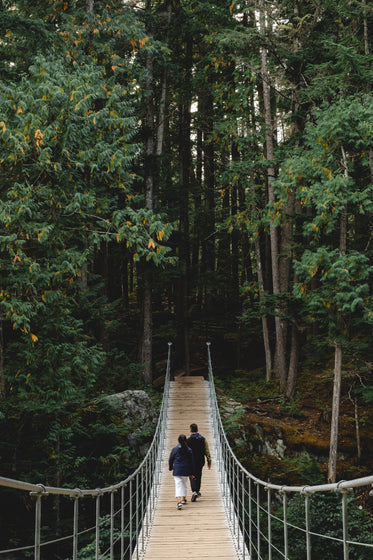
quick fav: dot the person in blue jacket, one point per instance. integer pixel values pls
(181, 462)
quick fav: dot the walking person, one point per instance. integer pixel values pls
(200, 448)
(181, 462)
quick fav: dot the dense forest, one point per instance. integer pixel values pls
(178, 170)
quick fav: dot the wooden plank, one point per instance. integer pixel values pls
(200, 529)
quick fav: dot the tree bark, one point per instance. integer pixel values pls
(146, 357)
(264, 319)
(332, 466)
(293, 363)
(185, 160)
(280, 364)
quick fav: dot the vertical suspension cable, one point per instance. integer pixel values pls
(250, 520)
(238, 503)
(243, 513)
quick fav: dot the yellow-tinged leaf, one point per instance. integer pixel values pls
(19, 110)
(231, 8)
(160, 235)
(151, 244)
(118, 237)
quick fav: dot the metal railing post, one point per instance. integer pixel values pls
(239, 500)
(142, 497)
(122, 523)
(285, 508)
(258, 518)
(308, 525)
(37, 525)
(112, 525)
(243, 513)
(137, 516)
(269, 523)
(97, 527)
(346, 552)
(75, 527)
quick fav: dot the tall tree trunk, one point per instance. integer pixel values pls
(235, 238)
(280, 363)
(264, 318)
(208, 232)
(185, 159)
(333, 450)
(162, 101)
(332, 465)
(197, 229)
(291, 384)
(366, 52)
(146, 356)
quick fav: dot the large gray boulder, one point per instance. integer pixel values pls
(134, 408)
(138, 413)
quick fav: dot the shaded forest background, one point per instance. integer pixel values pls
(179, 171)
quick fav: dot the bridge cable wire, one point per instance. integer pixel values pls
(254, 521)
(249, 516)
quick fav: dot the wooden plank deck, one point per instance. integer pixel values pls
(200, 529)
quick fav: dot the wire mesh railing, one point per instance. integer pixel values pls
(272, 522)
(267, 521)
(118, 521)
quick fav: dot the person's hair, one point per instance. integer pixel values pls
(193, 428)
(183, 442)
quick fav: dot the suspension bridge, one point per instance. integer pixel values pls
(237, 517)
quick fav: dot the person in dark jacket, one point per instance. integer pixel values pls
(200, 448)
(181, 462)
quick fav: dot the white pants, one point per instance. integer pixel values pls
(181, 485)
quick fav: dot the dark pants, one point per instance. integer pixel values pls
(195, 482)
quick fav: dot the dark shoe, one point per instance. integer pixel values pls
(184, 502)
(194, 496)
(179, 505)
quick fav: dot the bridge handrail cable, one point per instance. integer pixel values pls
(251, 521)
(141, 486)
